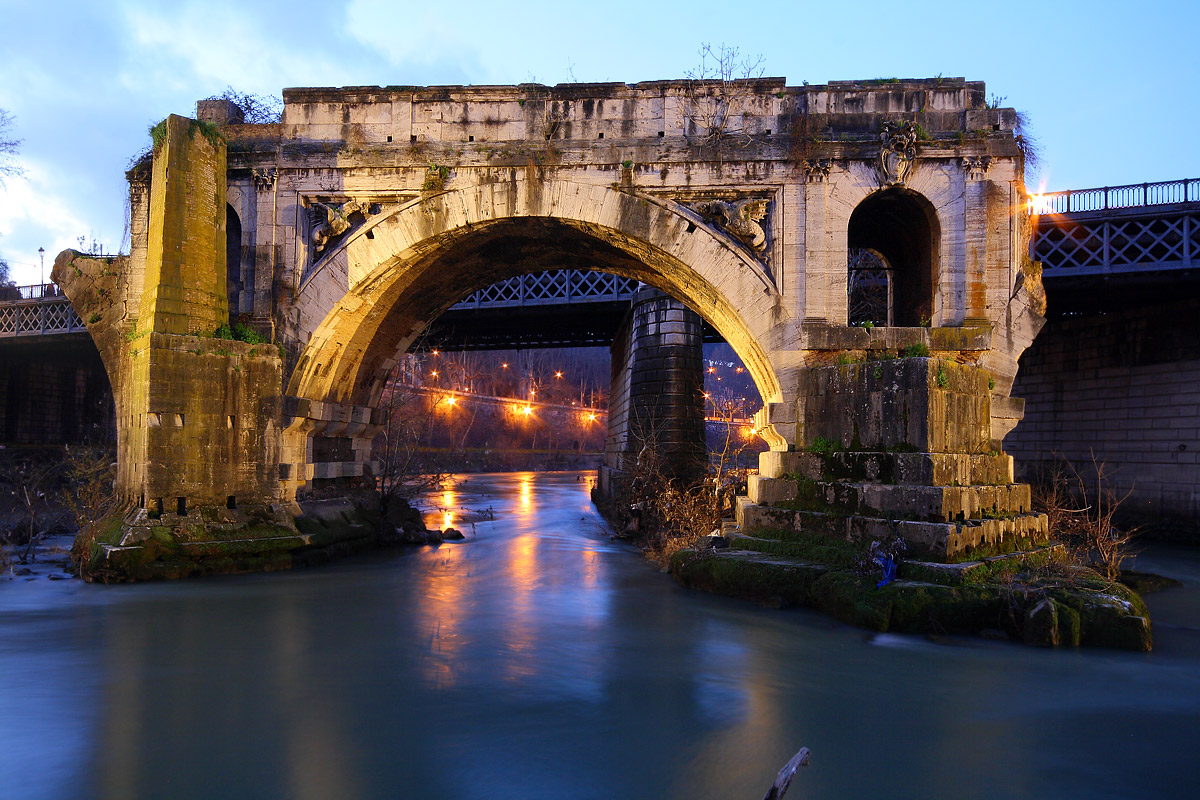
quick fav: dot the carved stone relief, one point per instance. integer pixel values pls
(264, 179)
(738, 218)
(817, 170)
(897, 152)
(327, 222)
(976, 167)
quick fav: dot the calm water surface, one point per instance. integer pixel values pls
(540, 660)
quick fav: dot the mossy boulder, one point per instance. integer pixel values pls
(1041, 603)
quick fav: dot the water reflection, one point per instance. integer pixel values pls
(540, 660)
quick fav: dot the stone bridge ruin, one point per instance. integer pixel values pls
(861, 245)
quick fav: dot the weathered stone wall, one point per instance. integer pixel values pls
(199, 418)
(918, 404)
(184, 290)
(1125, 387)
(897, 447)
(210, 434)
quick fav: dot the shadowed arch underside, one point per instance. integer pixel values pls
(399, 272)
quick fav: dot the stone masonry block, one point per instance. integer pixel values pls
(767, 491)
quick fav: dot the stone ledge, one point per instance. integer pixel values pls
(931, 503)
(927, 469)
(826, 336)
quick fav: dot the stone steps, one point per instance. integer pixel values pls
(939, 541)
(929, 503)
(767, 549)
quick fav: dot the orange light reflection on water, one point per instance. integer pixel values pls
(519, 637)
(440, 602)
(525, 495)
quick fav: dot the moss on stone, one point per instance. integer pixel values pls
(1082, 607)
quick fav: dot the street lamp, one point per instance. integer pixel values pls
(42, 259)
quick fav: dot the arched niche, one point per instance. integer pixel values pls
(894, 235)
(233, 260)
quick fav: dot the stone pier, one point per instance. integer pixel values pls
(656, 399)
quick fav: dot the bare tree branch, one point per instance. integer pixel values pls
(715, 93)
(9, 147)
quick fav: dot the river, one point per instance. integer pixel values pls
(540, 659)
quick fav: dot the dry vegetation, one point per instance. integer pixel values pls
(667, 514)
(1081, 506)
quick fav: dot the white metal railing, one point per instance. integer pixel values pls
(1133, 195)
(36, 310)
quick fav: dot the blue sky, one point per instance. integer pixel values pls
(1110, 88)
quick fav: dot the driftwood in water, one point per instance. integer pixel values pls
(784, 779)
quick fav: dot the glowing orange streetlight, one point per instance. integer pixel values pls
(528, 410)
(436, 353)
(434, 373)
(558, 374)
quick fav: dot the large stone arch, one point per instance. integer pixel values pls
(368, 300)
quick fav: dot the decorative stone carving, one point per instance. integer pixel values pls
(739, 218)
(817, 170)
(897, 153)
(329, 222)
(976, 167)
(264, 179)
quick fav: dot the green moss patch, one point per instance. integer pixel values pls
(1035, 597)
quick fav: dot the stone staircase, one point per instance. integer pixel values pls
(897, 447)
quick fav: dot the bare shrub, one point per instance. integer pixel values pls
(667, 513)
(27, 483)
(403, 472)
(89, 496)
(715, 92)
(1081, 506)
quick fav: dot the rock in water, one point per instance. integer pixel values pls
(1041, 624)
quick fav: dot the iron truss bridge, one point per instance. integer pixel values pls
(37, 311)
(555, 308)
(552, 288)
(1118, 230)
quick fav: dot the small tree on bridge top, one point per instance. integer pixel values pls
(714, 90)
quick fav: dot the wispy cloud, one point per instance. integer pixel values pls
(39, 201)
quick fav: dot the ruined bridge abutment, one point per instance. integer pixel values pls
(343, 231)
